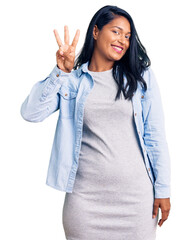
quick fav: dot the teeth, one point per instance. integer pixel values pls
(117, 48)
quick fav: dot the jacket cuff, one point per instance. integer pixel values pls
(57, 72)
(54, 80)
(162, 192)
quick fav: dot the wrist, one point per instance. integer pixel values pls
(63, 70)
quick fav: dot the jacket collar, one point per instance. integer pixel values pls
(83, 69)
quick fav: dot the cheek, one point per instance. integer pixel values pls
(104, 44)
(127, 45)
(108, 38)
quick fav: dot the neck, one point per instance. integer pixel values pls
(98, 64)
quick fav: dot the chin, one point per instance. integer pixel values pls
(117, 58)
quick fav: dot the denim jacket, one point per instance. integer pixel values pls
(68, 92)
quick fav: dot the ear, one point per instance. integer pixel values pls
(95, 32)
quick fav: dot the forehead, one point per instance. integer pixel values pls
(121, 22)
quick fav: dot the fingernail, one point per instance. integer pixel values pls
(61, 52)
(153, 216)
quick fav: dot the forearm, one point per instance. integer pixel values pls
(43, 98)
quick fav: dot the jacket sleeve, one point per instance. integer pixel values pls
(155, 139)
(43, 98)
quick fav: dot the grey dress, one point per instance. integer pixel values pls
(113, 195)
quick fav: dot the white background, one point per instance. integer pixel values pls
(30, 209)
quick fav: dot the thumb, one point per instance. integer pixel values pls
(155, 209)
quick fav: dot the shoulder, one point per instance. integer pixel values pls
(151, 81)
(149, 77)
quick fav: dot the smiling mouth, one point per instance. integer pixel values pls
(117, 49)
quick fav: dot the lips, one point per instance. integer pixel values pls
(117, 48)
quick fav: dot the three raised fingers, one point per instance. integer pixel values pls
(66, 37)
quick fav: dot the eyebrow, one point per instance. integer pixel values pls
(119, 28)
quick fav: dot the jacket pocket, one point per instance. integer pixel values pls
(67, 103)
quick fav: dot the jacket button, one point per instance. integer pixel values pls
(66, 94)
(135, 114)
(149, 169)
(142, 96)
(57, 75)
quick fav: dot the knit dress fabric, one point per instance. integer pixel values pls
(113, 196)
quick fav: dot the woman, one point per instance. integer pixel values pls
(109, 154)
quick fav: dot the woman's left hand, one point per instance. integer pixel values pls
(164, 204)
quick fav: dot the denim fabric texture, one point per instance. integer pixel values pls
(67, 92)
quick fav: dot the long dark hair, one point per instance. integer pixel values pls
(134, 61)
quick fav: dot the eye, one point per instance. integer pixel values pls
(118, 33)
(115, 31)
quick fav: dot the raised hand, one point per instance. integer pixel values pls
(65, 56)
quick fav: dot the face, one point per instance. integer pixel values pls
(113, 40)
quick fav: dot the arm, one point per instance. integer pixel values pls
(155, 138)
(43, 99)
